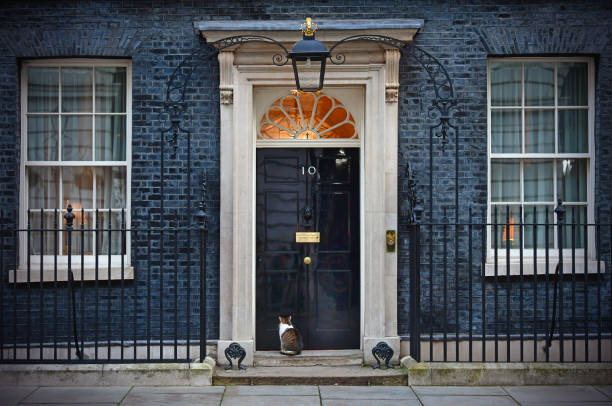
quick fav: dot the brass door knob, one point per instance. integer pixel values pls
(307, 260)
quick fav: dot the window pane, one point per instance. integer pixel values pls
(507, 225)
(539, 131)
(573, 83)
(572, 180)
(505, 180)
(505, 131)
(110, 138)
(538, 178)
(42, 188)
(46, 229)
(573, 232)
(77, 88)
(78, 187)
(110, 89)
(110, 187)
(76, 138)
(42, 138)
(116, 238)
(535, 221)
(539, 84)
(43, 89)
(82, 221)
(573, 130)
(505, 84)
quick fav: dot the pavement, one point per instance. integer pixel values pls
(565, 395)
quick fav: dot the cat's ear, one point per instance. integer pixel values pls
(289, 319)
(280, 319)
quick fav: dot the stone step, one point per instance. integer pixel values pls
(311, 375)
(309, 358)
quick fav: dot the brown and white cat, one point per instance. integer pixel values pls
(290, 337)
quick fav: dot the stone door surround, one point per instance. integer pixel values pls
(369, 66)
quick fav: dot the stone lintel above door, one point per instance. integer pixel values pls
(328, 30)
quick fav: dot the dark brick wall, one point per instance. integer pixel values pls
(157, 35)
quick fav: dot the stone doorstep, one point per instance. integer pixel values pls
(311, 375)
(309, 358)
(506, 373)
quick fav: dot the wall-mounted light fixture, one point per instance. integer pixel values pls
(308, 58)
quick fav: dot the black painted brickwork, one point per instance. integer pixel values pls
(157, 35)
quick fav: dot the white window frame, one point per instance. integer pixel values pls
(88, 266)
(541, 252)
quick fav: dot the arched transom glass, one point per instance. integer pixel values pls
(307, 116)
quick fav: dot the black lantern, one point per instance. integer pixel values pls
(308, 57)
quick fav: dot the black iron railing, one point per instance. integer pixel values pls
(84, 286)
(511, 290)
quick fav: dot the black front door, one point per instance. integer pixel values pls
(308, 190)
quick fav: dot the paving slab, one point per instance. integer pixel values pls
(607, 389)
(12, 395)
(271, 401)
(143, 398)
(178, 389)
(572, 403)
(367, 392)
(467, 401)
(272, 390)
(539, 394)
(370, 402)
(459, 390)
(81, 394)
(70, 404)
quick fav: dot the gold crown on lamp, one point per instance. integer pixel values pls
(309, 28)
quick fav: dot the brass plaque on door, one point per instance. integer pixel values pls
(307, 236)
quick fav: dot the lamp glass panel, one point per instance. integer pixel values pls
(309, 73)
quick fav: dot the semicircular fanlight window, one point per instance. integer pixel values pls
(307, 116)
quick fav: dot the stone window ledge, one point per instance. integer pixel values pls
(528, 267)
(89, 274)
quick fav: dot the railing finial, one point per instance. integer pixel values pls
(560, 211)
(69, 216)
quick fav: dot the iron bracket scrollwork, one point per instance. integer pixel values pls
(201, 213)
(278, 59)
(410, 192)
(445, 103)
(382, 351)
(235, 351)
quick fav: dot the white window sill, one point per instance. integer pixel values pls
(528, 265)
(89, 274)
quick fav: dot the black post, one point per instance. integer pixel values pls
(415, 291)
(69, 217)
(560, 212)
(201, 217)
